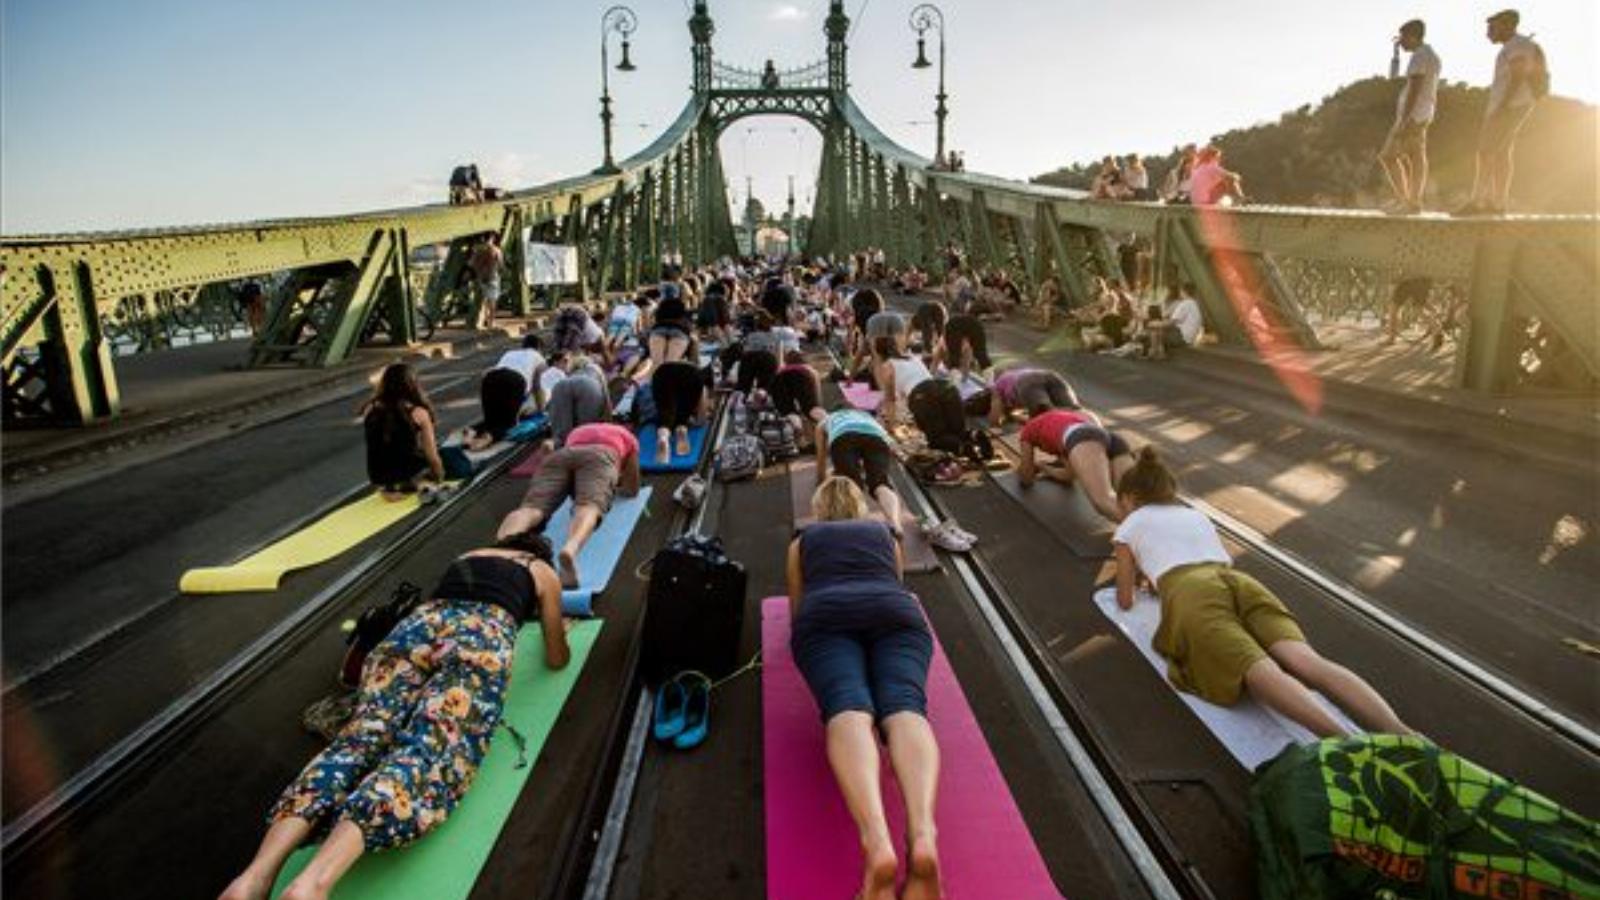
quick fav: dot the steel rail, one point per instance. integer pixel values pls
(140, 749)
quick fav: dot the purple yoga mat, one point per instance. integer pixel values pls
(985, 848)
(860, 396)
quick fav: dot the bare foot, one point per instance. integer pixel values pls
(303, 889)
(663, 449)
(569, 568)
(923, 881)
(879, 869)
(683, 441)
(249, 886)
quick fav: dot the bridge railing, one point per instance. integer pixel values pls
(1526, 289)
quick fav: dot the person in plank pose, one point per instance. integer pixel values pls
(1093, 456)
(1223, 633)
(863, 646)
(858, 446)
(598, 461)
(432, 693)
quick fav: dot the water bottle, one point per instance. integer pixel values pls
(1394, 62)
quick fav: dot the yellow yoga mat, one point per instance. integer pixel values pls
(318, 542)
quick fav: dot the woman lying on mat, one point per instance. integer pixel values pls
(598, 461)
(1031, 390)
(679, 391)
(431, 695)
(1221, 631)
(858, 447)
(402, 453)
(672, 331)
(1090, 455)
(863, 646)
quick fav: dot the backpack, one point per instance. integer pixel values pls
(739, 457)
(777, 435)
(1389, 816)
(1539, 78)
(372, 626)
(694, 610)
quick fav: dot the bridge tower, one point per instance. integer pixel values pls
(702, 28)
(838, 29)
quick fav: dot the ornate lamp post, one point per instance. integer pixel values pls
(924, 17)
(619, 19)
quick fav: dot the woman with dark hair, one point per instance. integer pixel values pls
(929, 322)
(431, 695)
(797, 391)
(898, 375)
(672, 334)
(1031, 390)
(864, 304)
(760, 349)
(966, 344)
(679, 391)
(399, 424)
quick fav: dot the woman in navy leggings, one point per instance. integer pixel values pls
(863, 645)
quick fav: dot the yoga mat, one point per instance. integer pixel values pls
(860, 396)
(1250, 731)
(528, 429)
(599, 556)
(985, 849)
(444, 863)
(647, 451)
(1064, 511)
(318, 542)
(919, 555)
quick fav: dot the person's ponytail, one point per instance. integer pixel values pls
(1149, 481)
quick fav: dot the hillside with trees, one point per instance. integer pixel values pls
(1324, 155)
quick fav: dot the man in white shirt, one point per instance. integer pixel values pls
(1179, 325)
(1405, 153)
(526, 360)
(1520, 80)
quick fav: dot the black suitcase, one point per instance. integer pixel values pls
(694, 610)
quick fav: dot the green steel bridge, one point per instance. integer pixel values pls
(1530, 283)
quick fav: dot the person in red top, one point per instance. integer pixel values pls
(1091, 455)
(598, 462)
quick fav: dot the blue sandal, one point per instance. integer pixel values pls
(671, 701)
(696, 710)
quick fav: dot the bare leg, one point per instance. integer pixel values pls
(1092, 471)
(521, 519)
(338, 853)
(1344, 687)
(1419, 177)
(893, 509)
(1275, 689)
(1395, 170)
(683, 447)
(584, 519)
(663, 445)
(853, 755)
(1120, 467)
(1501, 183)
(915, 756)
(255, 882)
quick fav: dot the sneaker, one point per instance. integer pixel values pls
(946, 538)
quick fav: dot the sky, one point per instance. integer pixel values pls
(182, 112)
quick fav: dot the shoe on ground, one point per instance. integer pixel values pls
(690, 494)
(671, 701)
(696, 712)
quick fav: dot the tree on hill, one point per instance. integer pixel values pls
(1326, 155)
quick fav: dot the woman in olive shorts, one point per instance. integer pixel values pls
(1222, 632)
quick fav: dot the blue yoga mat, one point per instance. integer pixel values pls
(647, 451)
(528, 428)
(599, 556)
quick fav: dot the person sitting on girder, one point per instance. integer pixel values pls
(598, 461)
(398, 420)
(1223, 633)
(1087, 453)
(432, 694)
(1212, 185)
(861, 641)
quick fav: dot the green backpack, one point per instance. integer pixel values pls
(1396, 818)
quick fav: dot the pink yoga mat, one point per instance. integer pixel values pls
(985, 847)
(858, 395)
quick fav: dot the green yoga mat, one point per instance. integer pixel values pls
(444, 864)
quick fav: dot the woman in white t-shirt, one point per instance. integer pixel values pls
(1222, 631)
(898, 375)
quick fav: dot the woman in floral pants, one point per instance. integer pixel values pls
(431, 696)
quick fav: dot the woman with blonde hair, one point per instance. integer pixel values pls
(863, 645)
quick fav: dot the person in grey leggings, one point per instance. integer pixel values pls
(578, 399)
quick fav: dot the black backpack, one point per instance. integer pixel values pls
(694, 610)
(778, 438)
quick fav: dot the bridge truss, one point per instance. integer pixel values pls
(1530, 283)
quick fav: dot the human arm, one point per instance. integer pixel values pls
(886, 407)
(822, 452)
(793, 577)
(557, 652)
(997, 407)
(430, 446)
(1127, 573)
(1026, 469)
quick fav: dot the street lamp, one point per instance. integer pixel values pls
(924, 17)
(621, 20)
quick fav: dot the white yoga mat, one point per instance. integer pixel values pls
(1250, 731)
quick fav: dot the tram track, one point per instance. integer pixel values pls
(141, 749)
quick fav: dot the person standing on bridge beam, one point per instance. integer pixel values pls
(1521, 79)
(486, 263)
(1404, 156)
